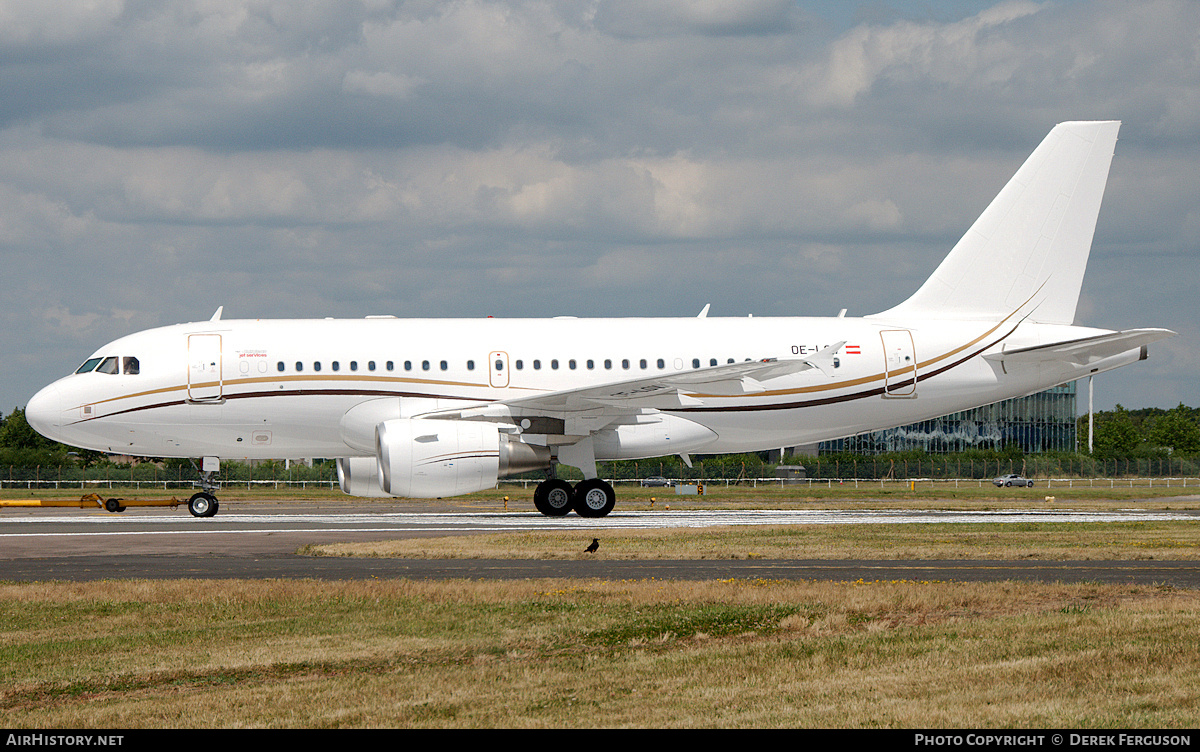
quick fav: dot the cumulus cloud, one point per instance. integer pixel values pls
(590, 157)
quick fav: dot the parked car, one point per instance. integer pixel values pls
(1012, 479)
(656, 481)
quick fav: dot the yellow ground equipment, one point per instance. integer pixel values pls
(92, 501)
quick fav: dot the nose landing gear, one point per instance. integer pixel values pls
(204, 503)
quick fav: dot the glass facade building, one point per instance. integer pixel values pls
(1038, 423)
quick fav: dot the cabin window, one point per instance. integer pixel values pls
(424, 365)
(354, 365)
(443, 365)
(316, 365)
(519, 364)
(390, 366)
(712, 361)
(499, 365)
(299, 366)
(537, 365)
(642, 364)
(470, 365)
(335, 365)
(661, 363)
(571, 364)
(695, 362)
(279, 366)
(408, 365)
(554, 364)
(591, 364)
(608, 364)
(370, 365)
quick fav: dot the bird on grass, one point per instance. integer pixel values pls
(595, 545)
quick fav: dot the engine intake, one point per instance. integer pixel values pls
(359, 476)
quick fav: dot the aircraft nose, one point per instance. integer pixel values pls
(44, 411)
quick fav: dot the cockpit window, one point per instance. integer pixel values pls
(108, 365)
(89, 366)
(132, 367)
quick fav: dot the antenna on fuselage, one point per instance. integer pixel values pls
(217, 316)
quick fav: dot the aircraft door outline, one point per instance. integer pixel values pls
(498, 369)
(899, 364)
(205, 381)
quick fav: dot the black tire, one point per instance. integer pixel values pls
(1029, 484)
(553, 498)
(1008, 482)
(114, 505)
(593, 498)
(202, 505)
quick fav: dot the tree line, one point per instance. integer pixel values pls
(1144, 441)
(1143, 433)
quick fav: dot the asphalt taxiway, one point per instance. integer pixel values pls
(259, 540)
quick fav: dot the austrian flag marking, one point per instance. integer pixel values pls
(853, 350)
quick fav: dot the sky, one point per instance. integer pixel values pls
(589, 158)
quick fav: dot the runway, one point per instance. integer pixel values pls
(259, 540)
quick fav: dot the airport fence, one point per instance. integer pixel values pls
(893, 483)
(1055, 470)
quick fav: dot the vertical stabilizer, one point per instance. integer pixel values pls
(1029, 248)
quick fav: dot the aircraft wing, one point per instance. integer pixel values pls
(665, 390)
(608, 402)
(1086, 350)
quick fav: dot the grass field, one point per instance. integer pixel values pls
(1047, 541)
(575, 654)
(600, 653)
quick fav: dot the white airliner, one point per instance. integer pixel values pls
(440, 407)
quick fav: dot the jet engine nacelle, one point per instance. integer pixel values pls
(359, 476)
(424, 458)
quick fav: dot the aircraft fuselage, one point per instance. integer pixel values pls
(266, 389)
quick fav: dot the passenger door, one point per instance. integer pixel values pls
(205, 383)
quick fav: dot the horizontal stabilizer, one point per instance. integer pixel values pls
(1086, 350)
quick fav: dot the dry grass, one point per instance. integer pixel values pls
(597, 653)
(1050, 541)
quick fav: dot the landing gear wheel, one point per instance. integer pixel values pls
(114, 505)
(593, 498)
(203, 505)
(553, 497)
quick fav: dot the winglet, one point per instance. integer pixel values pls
(823, 361)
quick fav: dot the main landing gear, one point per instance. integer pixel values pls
(589, 498)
